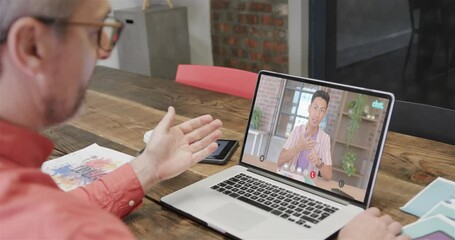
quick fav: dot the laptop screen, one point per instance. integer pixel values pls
(316, 133)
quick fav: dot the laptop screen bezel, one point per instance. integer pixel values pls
(381, 142)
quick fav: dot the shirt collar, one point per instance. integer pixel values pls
(22, 146)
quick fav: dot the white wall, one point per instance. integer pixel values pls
(298, 37)
(199, 29)
(118, 4)
(198, 26)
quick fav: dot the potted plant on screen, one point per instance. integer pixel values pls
(256, 118)
(356, 110)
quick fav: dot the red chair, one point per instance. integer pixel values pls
(218, 79)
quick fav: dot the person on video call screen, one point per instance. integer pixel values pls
(308, 146)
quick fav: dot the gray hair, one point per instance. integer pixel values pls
(11, 10)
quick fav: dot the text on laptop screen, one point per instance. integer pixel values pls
(319, 134)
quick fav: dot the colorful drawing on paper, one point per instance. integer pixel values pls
(84, 166)
(69, 177)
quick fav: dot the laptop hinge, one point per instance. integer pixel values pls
(296, 185)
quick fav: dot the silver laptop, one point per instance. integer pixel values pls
(306, 167)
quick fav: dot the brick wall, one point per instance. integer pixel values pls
(250, 35)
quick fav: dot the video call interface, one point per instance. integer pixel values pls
(342, 152)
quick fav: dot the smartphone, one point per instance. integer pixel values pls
(223, 153)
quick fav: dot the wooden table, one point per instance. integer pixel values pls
(122, 106)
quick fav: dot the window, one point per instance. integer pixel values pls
(294, 107)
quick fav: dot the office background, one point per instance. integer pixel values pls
(402, 46)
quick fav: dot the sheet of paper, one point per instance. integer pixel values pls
(84, 166)
(443, 208)
(439, 190)
(437, 227)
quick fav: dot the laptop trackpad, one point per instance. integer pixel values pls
(236, 216)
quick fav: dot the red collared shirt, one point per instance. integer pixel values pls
(32, 206)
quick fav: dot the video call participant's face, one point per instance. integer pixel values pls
(317, 110)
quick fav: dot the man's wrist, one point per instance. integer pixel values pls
(144, 172)
(320, 164)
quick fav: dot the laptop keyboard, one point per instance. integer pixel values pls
(289, 205)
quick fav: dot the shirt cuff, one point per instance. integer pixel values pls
(118, 192)
(125, 189)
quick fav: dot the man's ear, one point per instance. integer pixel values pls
(28, 43)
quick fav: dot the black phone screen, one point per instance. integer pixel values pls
(223, 153)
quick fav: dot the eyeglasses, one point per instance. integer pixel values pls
(108, 34)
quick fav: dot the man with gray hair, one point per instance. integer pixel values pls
(48, 51)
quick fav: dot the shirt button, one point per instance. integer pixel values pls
(131, 203)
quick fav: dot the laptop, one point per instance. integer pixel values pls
(269, 196)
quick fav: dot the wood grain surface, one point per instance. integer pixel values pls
(122, 106)
(188, 101)
(150, 221)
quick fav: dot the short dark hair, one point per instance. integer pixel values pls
(322, 94)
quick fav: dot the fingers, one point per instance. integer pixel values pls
(395, 227)
(201, 138)
(311, 144)
(313, 157)
(387, 219)
(203, 131)
(166, 122)
(205, 152)
(195, 123)
(210, 137)
(403, 237)
(373, 211)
